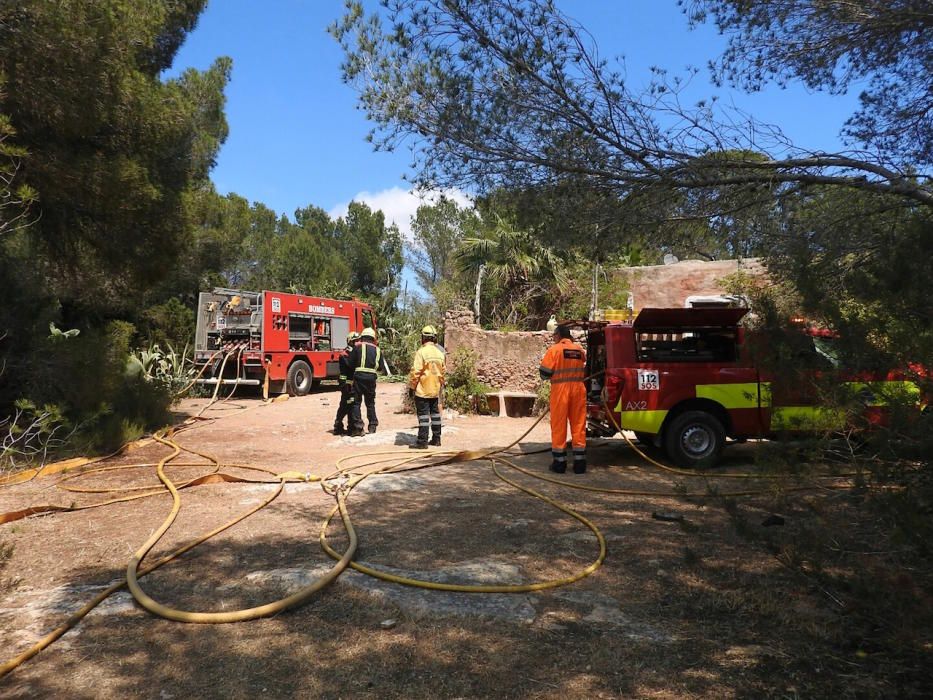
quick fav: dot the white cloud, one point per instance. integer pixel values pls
(399, 205)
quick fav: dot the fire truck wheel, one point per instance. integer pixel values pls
(298, 381)
(695, 439)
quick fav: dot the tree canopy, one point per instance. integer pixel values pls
(438, 231)
(109, 154)
(833, 45)
(504, 93)
(112, 146)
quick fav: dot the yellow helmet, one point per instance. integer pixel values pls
(429, 331)
(368, 333)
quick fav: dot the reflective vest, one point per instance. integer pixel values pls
(365, 359)
(427, 371)
(563, 363)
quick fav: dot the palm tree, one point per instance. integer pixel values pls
(510, 257)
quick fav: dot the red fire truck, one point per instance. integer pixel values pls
(684, 379)
(291, 341)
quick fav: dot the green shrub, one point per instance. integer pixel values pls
(543, 399)
(31, 433)
(168, 368)
(169, 323)
(459, 399)
(86, 387)
(464, 392)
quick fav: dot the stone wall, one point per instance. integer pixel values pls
(507, 361)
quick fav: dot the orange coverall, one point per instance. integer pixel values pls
(564, 364)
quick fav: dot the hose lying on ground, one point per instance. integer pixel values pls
(335, 485)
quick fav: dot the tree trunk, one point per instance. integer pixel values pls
(479, 288)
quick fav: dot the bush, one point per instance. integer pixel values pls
(83, 383)
(30, 434)
(543, 399)
(464, 392)
(169, 323)
(168, 368)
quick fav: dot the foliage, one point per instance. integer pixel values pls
(438, 231)
(882, 45)
(16, 198)
(112, 154)
(372, 250)
(865, 338)
(861, 265)
(504, 93)
(517, 268)
(170, 369)
(463, 392)
(249, 247)
(83, 383)
(30, 434)
(170, 322)
(399, 337)
(576, 299)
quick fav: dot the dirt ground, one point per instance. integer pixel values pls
(722, 597)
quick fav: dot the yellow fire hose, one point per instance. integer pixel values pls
(296, 598)
(392, 461)
(466, 588)
(75, 618)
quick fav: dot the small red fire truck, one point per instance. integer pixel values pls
(291, 341)
(684, 379)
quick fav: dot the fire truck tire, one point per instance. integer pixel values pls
(299, 378)
(695, 439)
(645, 438)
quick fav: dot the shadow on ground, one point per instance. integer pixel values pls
(678, 609)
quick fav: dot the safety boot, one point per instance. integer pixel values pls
(418, 446)
(372, 429)
(338, 430)
(579, 466)
(558, 467)
(435, 441)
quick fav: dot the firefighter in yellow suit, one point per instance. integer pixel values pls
(563, 364)
(425, 382)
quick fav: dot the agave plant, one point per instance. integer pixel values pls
(168, 367)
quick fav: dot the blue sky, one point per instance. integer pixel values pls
(297, 137)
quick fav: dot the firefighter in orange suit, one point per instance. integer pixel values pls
(563, 365)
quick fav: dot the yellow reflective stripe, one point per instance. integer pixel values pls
(377, 358)
(743, 395)
(642, 421)
(807, 418)
(567, 370)
(880, 393)
(564, 380)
